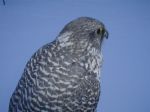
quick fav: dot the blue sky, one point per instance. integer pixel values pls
(26, 25)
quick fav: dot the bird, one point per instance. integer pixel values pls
(64, 75)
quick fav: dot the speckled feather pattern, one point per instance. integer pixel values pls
(61, 76)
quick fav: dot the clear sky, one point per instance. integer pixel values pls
(26, 25)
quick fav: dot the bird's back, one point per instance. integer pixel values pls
(55, 82)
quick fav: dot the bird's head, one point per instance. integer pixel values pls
(83, 33)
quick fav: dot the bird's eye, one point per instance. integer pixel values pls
(102, 32)
(98, 32)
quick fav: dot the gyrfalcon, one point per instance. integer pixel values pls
(63, 75)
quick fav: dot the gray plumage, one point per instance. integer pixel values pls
(63, 76)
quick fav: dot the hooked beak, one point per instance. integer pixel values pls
(106, 34)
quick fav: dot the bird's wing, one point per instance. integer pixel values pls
(33, 81)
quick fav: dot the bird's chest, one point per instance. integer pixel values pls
(92, 62)
(88, 90)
